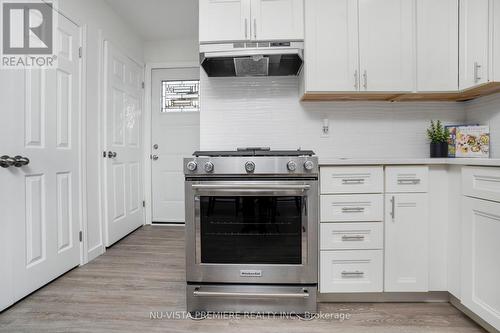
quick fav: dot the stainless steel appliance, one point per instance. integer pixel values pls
(263, 58)
(251, 230)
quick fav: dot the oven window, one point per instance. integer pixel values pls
(251, 230)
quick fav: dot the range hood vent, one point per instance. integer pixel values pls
(252, 59)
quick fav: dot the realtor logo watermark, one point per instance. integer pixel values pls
(28, 30)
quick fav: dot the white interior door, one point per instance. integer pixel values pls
(40, 202)
(176, 135)
(123, 165)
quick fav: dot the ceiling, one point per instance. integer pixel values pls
(159, 19)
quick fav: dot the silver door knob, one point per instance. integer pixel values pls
(21, 161)
(112, 154)
(6, 161)
(155, 157)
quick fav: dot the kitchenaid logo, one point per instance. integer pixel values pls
(27, 34)
(250, 273)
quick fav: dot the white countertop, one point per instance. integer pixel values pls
(324, 161)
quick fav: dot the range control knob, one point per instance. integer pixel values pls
(291, 166)
(209, 167)
(250, 166)
(308, 165)
(191, 166)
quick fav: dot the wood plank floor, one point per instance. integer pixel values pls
(145, 272)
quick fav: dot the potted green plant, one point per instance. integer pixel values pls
(438, 136)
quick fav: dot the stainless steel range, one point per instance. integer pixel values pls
(251, 230)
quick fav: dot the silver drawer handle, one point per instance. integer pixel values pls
(408, 181)
(353, 274)
(353, 181)
(353, 209)
(199, 293)
(357, 238)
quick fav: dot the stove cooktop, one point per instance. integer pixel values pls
(252, 152)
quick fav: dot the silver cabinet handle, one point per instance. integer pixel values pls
(199, 293)
(353, 181)
(365, 80)
(393, 207)
(352, 274)
(356, 80)
(477, 78)
(409, 181)
(246, 28)
(7, 161)
(357, 238)
(255, 28)
(353, 209)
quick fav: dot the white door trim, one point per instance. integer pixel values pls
(84, 258)
(147, 130)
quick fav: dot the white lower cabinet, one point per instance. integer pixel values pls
(480, 283)
(406, 242)
(352, 236)
(351, 271)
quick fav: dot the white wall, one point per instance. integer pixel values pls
(266, 112)
(99, 18)
(486, 111)
(171, 51)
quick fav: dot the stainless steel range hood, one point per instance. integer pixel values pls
(252, 59)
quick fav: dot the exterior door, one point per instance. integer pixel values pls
(277, 19)
(175, 135)
(480, 253)
(123, 166)
(386, 45)
(406, 242)
(332, 45)
(40, 202)
(474, 42)
(224, 20)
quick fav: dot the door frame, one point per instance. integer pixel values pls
(148, 128)
(102, 90)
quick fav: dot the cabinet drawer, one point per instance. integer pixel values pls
(351, 271)
(363, 179)
(481, 182)
(352, 207)
(352, 236)
(406, 179)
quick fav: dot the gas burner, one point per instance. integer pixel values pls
(252, 151)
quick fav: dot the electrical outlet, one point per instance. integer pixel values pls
(325, 128)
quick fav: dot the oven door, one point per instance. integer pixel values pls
(247, 231)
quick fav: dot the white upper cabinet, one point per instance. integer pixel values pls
(496, 40)
(437, 45)
(236, 20)
(277, 19)
(224, 20)
(386, 43)
(474, 42)
(331, 45)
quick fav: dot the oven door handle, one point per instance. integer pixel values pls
(250, 187)
(199, 293)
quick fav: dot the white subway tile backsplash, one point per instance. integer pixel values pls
(486, 111)
(267, 112)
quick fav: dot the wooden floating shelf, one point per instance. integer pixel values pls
(459, 96)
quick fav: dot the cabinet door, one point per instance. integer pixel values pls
(474, 40)
(496, 40)
(406, 242)
(224, 20)
(437, 45)
(480, 259)
(331, 45)
(386, 45)
(277, 19)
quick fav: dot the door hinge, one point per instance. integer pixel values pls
(143, 85)
(80, 236)
(143, 203)
(80, 52)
